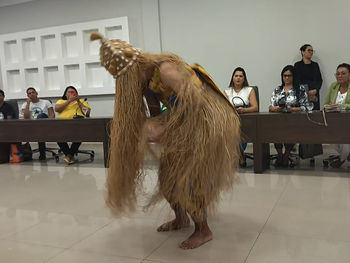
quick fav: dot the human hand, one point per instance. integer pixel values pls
(240, 110)
(312, 98)
(312, 92)
(73, 98)
(276, 109)
(28, 101)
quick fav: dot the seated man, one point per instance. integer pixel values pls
(6, 111)
(35, 108)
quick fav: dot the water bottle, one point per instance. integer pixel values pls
(1, 116)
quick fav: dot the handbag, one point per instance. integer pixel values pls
(310, 150)
(26, 151)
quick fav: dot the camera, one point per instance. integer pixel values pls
(282, 103)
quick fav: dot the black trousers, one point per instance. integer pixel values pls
(287, 146)
(72, 150)
(42, 145)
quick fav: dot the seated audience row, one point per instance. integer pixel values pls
(70, 106)
(299, 91)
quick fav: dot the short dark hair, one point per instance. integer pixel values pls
(304, 47)
(2, 92)
(64, 97)
(30, 89)
(245, 83)
(344, 65)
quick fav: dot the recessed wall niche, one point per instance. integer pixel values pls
(52, 78)
(14, 80)
(114, 32)
(72, 75)
(49, 47)
(50, 59)
(95, 75)
(91, 48)
(11, 51)
(32, 78)
(29, 49)
(70, 45)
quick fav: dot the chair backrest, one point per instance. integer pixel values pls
(256, 90)
(14, 105)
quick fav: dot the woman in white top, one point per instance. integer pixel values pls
(240, 94)
(243, 98)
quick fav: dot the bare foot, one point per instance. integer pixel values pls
(196, 239)
(174, 225)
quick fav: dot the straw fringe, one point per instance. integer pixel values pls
(200, 146)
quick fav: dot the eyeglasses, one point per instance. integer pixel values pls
(338, 74)
(287, 75)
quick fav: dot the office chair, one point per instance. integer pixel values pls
(54, 152)
(292, 158)
(14, 105)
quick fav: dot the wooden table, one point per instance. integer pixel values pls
(54, 130)
(258, 128)
(292, 128)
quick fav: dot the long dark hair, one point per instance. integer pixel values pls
(291, 69)
(245, 83)
(64, 97)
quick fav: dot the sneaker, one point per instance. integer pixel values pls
(67, 159)
(72, 160)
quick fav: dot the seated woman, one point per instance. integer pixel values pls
(287, 98)
(71, 107)
(339, 96)
(242, 97)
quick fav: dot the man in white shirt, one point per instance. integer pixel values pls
(35, 108)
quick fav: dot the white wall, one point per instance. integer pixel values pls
(260, 35)
(46, 13)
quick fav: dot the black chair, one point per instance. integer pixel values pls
(14, 105)
(327, 161)
(293, 158)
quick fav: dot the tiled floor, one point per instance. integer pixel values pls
(55, 213)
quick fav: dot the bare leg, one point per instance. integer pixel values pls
(181, 221)
(201, 235)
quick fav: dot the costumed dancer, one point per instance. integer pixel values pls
(199, 134)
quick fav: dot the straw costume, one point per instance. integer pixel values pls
(200, 131)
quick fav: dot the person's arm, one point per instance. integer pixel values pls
(328, 99)
(273, 103)
(153, 104)
(172, 78)
(25, 110)
(84, 105)
(317, 83)
(60, 107)
(51, 113)
(253, 104)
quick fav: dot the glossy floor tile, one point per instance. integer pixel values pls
(51, 212)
